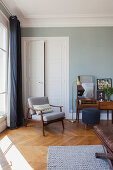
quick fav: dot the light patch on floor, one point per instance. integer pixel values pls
(12, 155)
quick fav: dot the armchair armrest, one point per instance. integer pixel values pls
(58, 106)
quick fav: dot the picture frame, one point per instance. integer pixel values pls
(100, 95)
(107, 82)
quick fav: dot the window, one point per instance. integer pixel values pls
(3, 68)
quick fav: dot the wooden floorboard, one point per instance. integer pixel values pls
(33, 147)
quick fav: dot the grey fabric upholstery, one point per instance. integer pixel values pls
(53, 116)
(37, 101)
(46, 117)
(49, 116)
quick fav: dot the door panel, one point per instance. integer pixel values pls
(55, 71)
(35, 69)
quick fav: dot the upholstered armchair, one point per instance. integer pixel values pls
(38, 109)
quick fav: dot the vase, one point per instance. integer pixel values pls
(108, 98)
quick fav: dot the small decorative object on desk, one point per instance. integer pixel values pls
(108, 92)
(80, 102)
(100, 95)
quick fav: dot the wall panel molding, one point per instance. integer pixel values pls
(72, 21)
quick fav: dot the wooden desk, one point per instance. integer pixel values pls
(90, 103)
(106, 106)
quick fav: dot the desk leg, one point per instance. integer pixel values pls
(77, 110)
(107, 114)
(112, 116)
(78, 115)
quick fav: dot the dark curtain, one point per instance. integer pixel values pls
(16, 108)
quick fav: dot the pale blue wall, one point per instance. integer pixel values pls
(91, 49)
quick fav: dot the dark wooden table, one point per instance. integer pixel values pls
(105, 134)
(90, 103)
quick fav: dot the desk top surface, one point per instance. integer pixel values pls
(105, 105)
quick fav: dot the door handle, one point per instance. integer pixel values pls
(39, 82)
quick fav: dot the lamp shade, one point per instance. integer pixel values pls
(78, 81)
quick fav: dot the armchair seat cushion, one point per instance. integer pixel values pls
(49, 116)
(53, 116)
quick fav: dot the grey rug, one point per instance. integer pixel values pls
(76, 158)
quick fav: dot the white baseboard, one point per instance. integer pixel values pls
(103, 116)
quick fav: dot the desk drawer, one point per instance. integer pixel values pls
(87, 106)
(106, 105)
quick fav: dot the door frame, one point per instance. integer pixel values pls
(25, 40)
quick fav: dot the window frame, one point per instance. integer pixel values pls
(4, 22)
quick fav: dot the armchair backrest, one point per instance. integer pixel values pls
(37, 101)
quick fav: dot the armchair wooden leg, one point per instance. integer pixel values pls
(43, 129)
(42, 124)
(26, 121)
(63, 124)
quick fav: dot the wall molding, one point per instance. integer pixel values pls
(60, 20)
(70, 21)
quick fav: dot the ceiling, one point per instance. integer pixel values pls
(62, 12)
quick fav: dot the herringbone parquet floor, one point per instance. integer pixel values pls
(32, 147)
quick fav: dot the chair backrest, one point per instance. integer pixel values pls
(37, 101)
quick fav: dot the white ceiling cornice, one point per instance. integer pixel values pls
(78, 20)
(11, 9)
(73, 21)
(67, 16)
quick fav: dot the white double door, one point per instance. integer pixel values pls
(47, 70)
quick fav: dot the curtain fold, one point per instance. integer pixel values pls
(16, 108)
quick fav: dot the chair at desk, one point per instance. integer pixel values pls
(91, 113)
